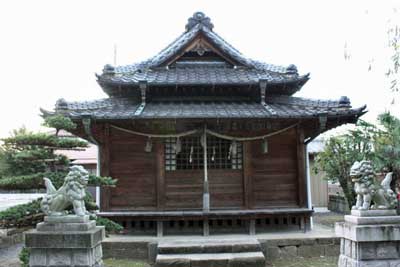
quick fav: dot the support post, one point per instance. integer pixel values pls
(104, 150)
(160, 228)
(309, 196)
(252, 227)
(160, 176)
(206, 228)
(247, 176)
(206, 193)
(301, 167)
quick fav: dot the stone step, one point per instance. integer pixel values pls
(243, 259)
(209, 246)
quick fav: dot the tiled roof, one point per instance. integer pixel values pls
(154, 71)
(278, 107)
(201, 75)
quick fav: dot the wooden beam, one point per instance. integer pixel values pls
(160, 175)
(105, 168)
(301, 167)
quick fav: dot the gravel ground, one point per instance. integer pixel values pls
(9, 256)
(328, 218)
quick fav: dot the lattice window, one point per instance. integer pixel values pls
(221, 154)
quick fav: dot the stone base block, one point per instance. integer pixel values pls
(373, 213)
(369, 239)
(50, 257)
(372, 220)
(66, 239)
(66, 219)
(65, 227)
(368, 233)
(345, 261)
(75, 244)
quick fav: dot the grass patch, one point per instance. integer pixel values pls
(305, 262)
(296, 262)
(124, 263)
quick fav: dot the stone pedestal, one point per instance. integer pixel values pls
(369, 239)
(65, 241)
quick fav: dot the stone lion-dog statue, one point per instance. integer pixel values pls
(371, 194)
(72, 192)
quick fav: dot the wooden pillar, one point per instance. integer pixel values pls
(206, 192)
(160, 175)
(301, 167)
(104, 149)
(160, 228)
(252, 227)
(206, 228)
(247, 173)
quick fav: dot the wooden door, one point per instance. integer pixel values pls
(225, 173)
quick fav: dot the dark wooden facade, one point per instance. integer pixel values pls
(241, 112)
(144, 184)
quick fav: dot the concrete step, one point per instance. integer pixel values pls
(242, 259)
(209, 246)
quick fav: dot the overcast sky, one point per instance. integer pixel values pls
(51, 49)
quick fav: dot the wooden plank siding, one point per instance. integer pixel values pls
(226, 189)
(184, 189)
(135, 170)
(269, 180)
(275, 174)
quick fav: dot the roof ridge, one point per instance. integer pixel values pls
(296, 100)
(199, 18)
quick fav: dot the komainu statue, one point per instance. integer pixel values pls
(371, 194)
(72, 192)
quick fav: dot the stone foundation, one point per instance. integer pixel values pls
(73, 241)
(300, 248)
(369, 238)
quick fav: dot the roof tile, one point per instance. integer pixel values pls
(279, 107)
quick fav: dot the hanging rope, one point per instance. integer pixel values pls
(155, 135)
(233, 138)
(222, 136)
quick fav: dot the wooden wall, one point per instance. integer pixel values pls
(273, 176)
(271, 180)
(226, 189)
(184, 189)
(135, 170)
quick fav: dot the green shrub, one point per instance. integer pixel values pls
(110, 226)
(21, 215)
(24, 257)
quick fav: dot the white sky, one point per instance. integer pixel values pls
(51, 49)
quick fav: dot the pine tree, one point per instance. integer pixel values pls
(26, 157)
